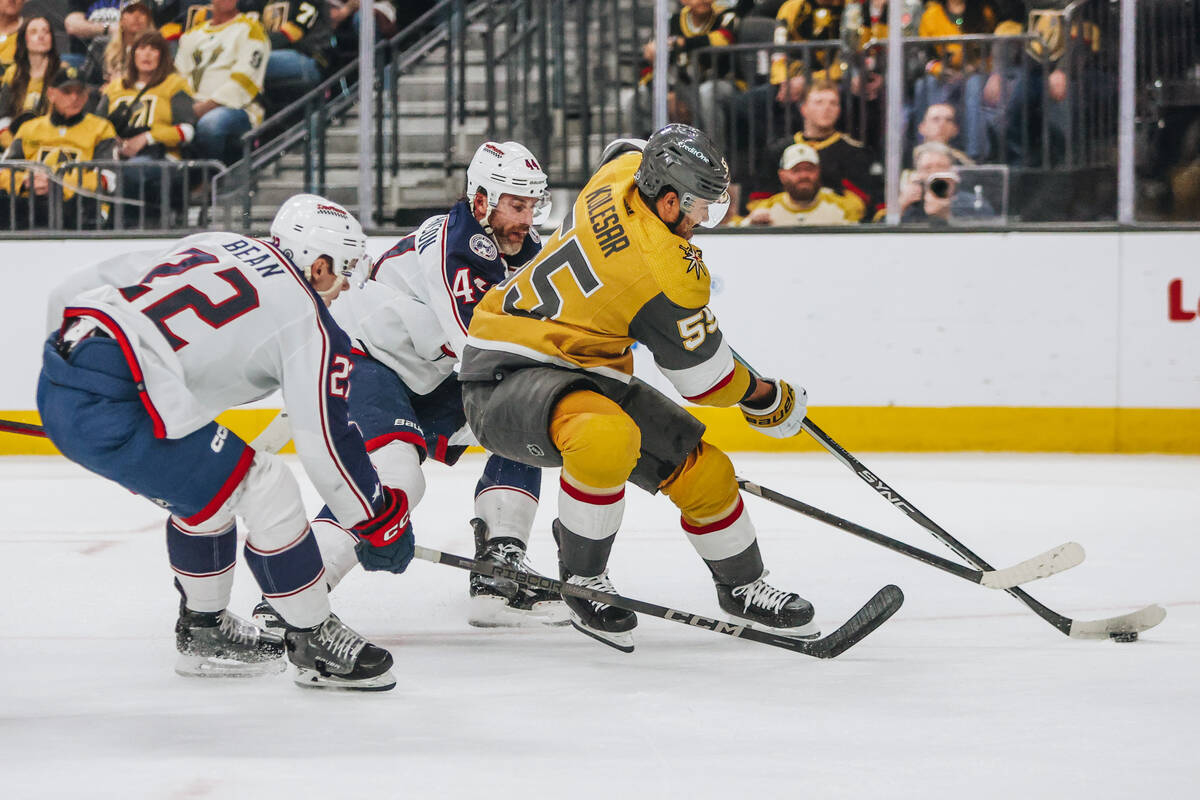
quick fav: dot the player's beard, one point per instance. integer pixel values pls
(511, 238)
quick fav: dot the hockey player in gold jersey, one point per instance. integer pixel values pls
(548, 377)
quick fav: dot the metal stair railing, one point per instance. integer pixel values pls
(307, 121)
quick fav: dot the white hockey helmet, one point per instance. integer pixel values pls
(508, 168)
(307, 227)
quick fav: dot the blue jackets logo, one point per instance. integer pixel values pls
(484, 247)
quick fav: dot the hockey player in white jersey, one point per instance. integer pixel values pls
(148, 348)
(408, 324)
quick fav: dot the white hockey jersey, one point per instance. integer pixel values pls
(218, 320)
(412, 316)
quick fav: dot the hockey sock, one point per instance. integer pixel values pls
(336, 545)
(280, 547)
(723, 537)
(506, 498)
(203, 563)
(292, 579)
(588, 522)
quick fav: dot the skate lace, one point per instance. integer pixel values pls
(762, 594)
(514, 556)
(339, 640)
(237, 630)
(599, 583)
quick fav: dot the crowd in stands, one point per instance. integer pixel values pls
(817, 78)
(151, 80)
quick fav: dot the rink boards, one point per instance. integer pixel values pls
(1082, 341)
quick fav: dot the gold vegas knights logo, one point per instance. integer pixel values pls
(693, 256)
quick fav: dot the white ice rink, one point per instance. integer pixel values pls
(964, 693)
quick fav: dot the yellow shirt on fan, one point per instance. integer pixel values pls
(827, 208)
(612, 274)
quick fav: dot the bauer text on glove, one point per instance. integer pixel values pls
(780, 413)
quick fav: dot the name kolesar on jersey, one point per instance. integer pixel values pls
(602, 214)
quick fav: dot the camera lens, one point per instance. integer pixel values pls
(940, 187)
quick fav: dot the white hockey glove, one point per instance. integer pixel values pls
(780, 413)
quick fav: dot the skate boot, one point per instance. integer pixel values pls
(223, 645)
(331, 655)
(604, 623)
(266, 617)
(499, 602)
(768, 608)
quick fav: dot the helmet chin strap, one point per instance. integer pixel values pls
(334, 287)
(673, 227)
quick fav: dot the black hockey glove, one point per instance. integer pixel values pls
(386, 540)
(780, 413)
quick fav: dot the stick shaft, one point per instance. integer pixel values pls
(973, 575)
(897, 500)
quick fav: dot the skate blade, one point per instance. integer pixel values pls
(621, 641)
(311, 679)
(809, 631)
(209, 667)
(490, 611)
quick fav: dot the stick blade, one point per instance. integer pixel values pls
(878, 610)
(1133, 622)
(1051, 562)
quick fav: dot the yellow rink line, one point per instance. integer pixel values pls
(886, 429)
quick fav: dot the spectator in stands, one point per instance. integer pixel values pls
(940, 125)
(21, 86)
(151, 110)
(929, 192)
(136, 18)
(805, 21)
(224, 60)
(300, 35)
(956, 73)
(701, 84)
(847, 166)
(66, 135)
(804, 201)
(10, 24)
(1021, 90)
(90, 24)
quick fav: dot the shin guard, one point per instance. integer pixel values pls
(203, 562)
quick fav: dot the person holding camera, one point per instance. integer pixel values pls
(151, 110)
(929, 192)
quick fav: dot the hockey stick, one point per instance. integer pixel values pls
(1124, 627)
(272, 439)
(1051, 562)
(886, 601)
(23, 428)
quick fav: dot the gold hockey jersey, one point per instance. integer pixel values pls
(612, 274)
(164, 110)
(55, 143)
(226, 63)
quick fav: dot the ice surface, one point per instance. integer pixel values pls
(963, 693)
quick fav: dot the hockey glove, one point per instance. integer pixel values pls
(780, 413)
(386, 540)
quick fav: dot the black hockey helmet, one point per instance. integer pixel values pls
(683, 158)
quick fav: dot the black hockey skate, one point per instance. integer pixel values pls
(768, 608)
(499, 602)
(223, 645)
(604, 623)
(266, 617)
(331, 655)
